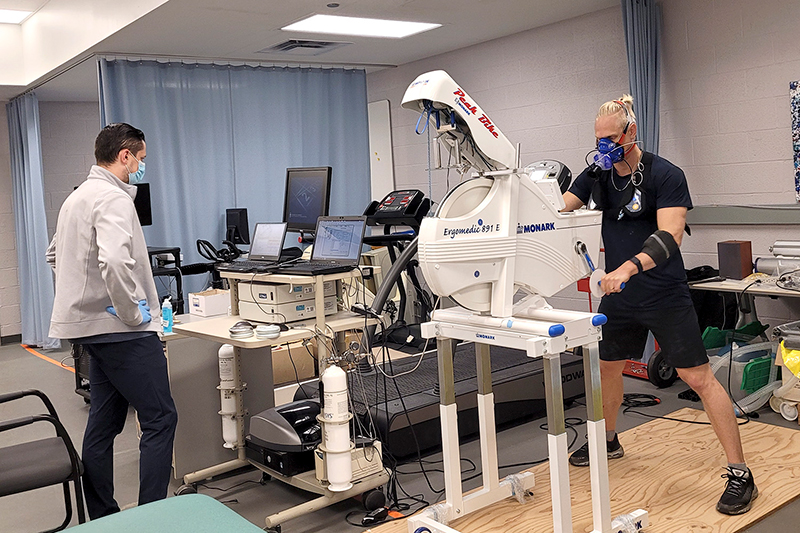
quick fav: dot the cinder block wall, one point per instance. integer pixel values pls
(68, 130)
(725, 115)
(9, 282)
(541, 87)
(68, 133)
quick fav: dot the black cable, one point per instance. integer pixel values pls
(471, 469)
(246, 481)
(785, 282)
(730, 364)
(411, 426)
(296, 374)
(634, 401)
(571, 423)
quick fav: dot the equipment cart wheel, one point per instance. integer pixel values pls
(186, 489)
(373, 499)
(276, 529)
(265, 478)
(659, 372)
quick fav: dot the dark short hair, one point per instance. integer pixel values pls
(114, 138)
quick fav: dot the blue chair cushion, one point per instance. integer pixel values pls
(190, 513)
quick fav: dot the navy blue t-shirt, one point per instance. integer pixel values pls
(663, 185)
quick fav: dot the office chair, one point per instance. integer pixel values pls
(41, 463)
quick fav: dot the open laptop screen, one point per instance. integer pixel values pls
(267, 241)
(339, 239)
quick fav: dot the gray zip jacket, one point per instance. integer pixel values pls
(100, 258)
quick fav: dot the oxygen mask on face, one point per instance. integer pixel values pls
(606, 154)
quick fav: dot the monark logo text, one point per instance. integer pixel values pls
(533, 228)
(482, 336)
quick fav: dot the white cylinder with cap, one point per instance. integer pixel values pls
(335, 417)
(227, 393)
(785, 248)
(775, 266)
(339, 467)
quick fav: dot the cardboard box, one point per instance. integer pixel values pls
(209, 303)
(282, 369)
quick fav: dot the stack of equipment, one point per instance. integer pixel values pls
(280, 303)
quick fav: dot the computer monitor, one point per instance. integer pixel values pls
(307, 197)
(267, 241)
(339, 239)
(236, 226)
(142, 204)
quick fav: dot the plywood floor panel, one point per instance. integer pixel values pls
(672, 470)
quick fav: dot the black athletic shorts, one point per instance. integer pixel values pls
(675, 329)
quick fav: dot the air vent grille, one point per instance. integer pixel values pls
(302, 47)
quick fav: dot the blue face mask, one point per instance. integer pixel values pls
(138, 176)
(608, 153)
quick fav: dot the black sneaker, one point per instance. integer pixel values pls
(581, 456)
(740, 491)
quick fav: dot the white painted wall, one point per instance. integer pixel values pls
(59, 32)
(9, 281)
(12, 71)
(727, 65)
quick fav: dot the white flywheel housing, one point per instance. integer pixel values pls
(460, 201)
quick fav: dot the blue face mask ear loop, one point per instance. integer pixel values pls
(427, 111)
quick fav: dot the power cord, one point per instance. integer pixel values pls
(634, 401)
(571, 425)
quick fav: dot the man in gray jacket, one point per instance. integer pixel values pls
(104, 290)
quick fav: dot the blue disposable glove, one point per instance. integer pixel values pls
(143, 308)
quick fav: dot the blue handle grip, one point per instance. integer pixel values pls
(620, 287)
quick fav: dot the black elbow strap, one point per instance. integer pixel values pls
(660, 246)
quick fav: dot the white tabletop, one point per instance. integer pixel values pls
(767, 287)
(216, 329)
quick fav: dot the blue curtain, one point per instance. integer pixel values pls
(35, 276)
(223, 136)
(642, 20)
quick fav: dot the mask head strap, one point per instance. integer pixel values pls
(629, 120)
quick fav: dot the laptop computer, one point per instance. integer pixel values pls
(337, 247)
(265, 249)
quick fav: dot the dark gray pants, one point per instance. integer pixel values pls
(131, 372)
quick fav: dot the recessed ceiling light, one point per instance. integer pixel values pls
(12, 16)
(335, 24)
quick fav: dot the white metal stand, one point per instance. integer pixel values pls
(217, 330)
(579, 329)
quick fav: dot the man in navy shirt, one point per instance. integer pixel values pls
(644, 199)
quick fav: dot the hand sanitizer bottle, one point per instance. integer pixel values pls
(166, 315)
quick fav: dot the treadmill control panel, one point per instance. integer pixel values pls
(399, 208)
(398, 202)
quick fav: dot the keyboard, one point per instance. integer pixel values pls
(246, 266)
(314, 268)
